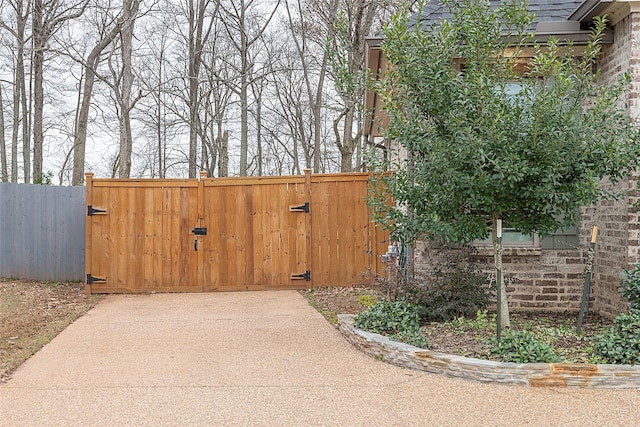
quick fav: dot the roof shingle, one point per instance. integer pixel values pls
(544, 10)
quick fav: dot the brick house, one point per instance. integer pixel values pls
(547, 273)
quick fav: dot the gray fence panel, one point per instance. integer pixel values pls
(42, 232)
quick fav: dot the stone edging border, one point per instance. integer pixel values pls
(530, 374)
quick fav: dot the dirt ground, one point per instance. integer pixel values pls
(32, 314)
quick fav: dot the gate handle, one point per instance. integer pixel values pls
(195, 245)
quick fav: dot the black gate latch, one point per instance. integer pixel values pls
(199, 231)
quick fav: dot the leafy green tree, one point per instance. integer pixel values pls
(487, 138)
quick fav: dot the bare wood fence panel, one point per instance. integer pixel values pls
(229, 234)
(41, 233)
(140, 243)
(345, 242)
(253, 240)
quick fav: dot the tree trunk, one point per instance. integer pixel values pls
(21, 88)
(42, 31)
(4, 173)
(346, 142)
(80, 136)
(314, 97)
(497, 250)
(196, 41)
(15, 127)
(159, 129)
(244, 94)
(129, 12)
(26, 121)
(223, 143)
(214, 148)
(346, 163)
(38, 90)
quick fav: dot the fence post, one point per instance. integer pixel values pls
(88, 244)
(201, 223)
(308, 222)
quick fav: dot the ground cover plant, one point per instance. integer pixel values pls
(398, 320)
(471, 335)
(621, 342)
(32, 314)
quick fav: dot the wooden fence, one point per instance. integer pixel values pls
(228, 234)
(41, 232)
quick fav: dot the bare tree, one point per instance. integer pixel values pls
(303, 38)
(122, 85)
(339, 27)
(198, 33)
(90, 67)
(245, 26)
(21, 10)
(217, 100)
(350, 28)
(290, 127)
(154, 108)
(48, 16)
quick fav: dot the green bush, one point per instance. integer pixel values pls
(521, 347)
(397, 320)
(630, 287)
(451, 287)
(621, 343)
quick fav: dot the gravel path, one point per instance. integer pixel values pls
(259, 358)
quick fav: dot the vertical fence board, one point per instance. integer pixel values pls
(42, 234)
(215, 209)
(320, 231)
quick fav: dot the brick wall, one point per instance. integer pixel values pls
(618, 220)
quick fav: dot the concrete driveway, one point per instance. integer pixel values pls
(259, 358)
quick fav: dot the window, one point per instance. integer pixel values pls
(513, 237)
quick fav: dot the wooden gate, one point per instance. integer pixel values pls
(229, 234)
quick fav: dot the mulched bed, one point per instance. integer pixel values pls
(465, 337)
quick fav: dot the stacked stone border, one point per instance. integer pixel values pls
(530, 374)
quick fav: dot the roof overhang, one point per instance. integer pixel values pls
(568, 33)
(614, 9)
(377, 65)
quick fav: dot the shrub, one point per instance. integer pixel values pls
(630, 287)
(521, 347)
(621, 342)
(450, 287)
(397, 320)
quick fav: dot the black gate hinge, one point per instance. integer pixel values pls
(91, 210)
(306, 276)
(91, 279)
(302, 208)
